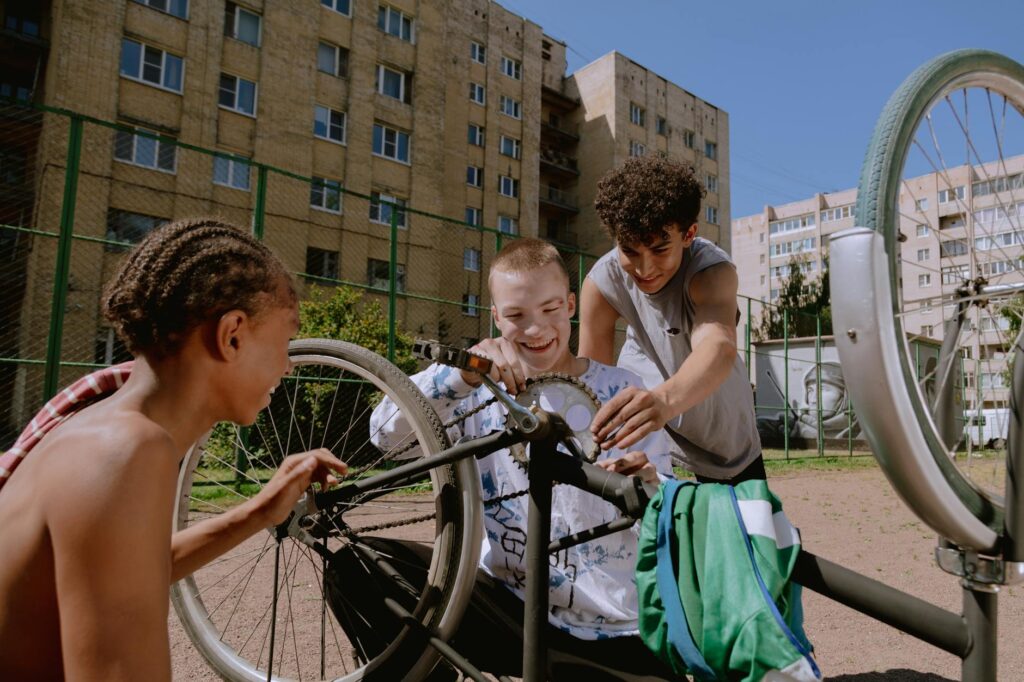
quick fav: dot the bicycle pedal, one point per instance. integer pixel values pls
(460, 358)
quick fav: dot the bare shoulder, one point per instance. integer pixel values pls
(715, 285)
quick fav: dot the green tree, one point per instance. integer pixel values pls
(803, 300)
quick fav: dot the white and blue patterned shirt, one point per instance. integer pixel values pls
(592, 585)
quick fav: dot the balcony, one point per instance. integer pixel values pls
(558, 134)
(558, 198)
(558, 162)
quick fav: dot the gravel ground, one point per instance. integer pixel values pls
(852, 518)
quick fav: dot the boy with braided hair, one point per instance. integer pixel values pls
(86, 521)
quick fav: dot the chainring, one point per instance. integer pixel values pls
(568, 397)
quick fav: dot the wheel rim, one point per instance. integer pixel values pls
(227, 606)
(957, 121)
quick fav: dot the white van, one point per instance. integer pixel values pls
(988, 429)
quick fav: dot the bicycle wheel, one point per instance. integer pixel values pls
(323, 617)
(943, 184)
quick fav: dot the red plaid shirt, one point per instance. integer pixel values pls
(85, 391)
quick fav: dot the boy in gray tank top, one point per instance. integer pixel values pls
(677, 292)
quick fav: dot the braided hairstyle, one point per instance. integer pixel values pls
(185, 273)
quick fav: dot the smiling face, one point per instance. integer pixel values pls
(532, 310)
(652, 265)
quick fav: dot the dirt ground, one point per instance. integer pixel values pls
(852, 518)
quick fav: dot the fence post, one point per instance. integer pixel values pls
(748, 340)
(51, 376)
(785, 379)
(817, 388)
(260, 209)
(392, 283)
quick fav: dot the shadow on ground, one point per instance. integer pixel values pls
(895, 675)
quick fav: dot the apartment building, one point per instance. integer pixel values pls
(961, 224)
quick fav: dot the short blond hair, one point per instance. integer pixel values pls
(526, 255)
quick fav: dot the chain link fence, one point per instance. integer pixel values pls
(77, 192)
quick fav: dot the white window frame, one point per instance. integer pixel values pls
(711, 150)
(508, 225)
(380, 213)
(392, 15)
(140, 78)
(336, 69)
(513, 68)
(233, 170)
(509, 183)
(330, 114)
(514, 146)
(477, 94)
(511, 103)
(637, 115)
(475, 135)
(921, 204)
(152, 4)
(924, 280)
(923, 255)
(711, 182)
(689, 139)
(327, 187)
(333, 6)
(399, 275)
(637, 148)
(475, 176)
(235, 107)
(477, 52)
(232, 31)
(923, 230)
(330, 266)
(711, 214)
(474, 216)
(469, 303)
(471, 259)
(403, 83)
(958, 193)
(157, 148)
(385, 129)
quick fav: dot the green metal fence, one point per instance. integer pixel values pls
(76, 192)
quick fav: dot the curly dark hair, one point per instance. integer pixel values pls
(185, 273)
(639, 198)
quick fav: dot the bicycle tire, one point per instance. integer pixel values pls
(454, 558)
(878, 209)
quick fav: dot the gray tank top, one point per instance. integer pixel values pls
(718, 437)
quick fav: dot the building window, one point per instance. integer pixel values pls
(127, 227)
(689, 139)
(231, 172)
(476, 135)
(711, 214)
(474, 176)
(762, 259)
(927, 330)
(760, 237)
(471, 259)
(921, 204)
(711, 150)
(178, 8)
(145, 151)
(382, 212)
(762, 280)
(469, 305)
(241, 24)
(325, 195)
(390, 143)
(508, 225)
(109, 348)
(953, 248)
(238, 94)
(511, 107)
(923, 254)
(394, 22)
(321, 263)
(637, 115)
(711, 182)
(636, 148)
(329, 124)
(150, 65)
(837, 213)
(508, 187)
(791, 224)
(924, 280)
(478, 53)
(394, 84)
(512, 68)
(477, 93)
(473, 216)
(378, 274)
(661, 126)
(339, 6)
(953, 194)
(510, 146)
(332, 59)
(923, 231)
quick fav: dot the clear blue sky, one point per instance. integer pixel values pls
(803, 81)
